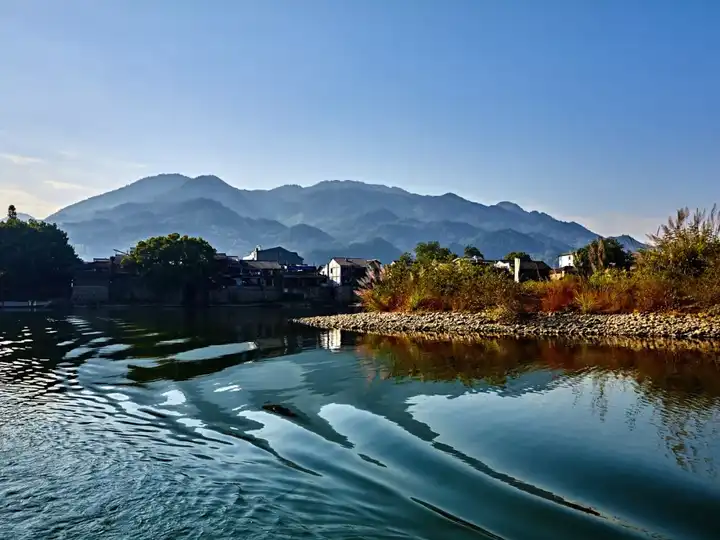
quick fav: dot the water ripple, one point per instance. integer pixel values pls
(240, 426)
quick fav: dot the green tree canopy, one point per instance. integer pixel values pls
(472, 251)
(36, 260)
(517, 255)
(601, 254)
(405, 259)
(173, 260)
(426, 252)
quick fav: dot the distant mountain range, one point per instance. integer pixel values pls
(329, 219)
(22, 217)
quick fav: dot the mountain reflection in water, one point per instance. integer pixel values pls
(235, 423)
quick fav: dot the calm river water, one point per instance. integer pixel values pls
(234, 424)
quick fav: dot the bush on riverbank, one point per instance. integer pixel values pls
(680, 271)
(439, 286)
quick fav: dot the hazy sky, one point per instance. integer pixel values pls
(607, 112)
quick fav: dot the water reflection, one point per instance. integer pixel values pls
(681, 386)
(223, 422)
(689, 370)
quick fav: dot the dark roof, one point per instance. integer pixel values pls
(264, 265)
(534, 265)
(354, 261)
(277, 248)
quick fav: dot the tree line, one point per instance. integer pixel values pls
(38, 262)
(433, 251)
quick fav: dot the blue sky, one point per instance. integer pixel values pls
(604, 112)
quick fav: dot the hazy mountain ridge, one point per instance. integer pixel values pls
(331, 218)
(21, 217)
(630, 243)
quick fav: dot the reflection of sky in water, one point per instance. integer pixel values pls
(172, 341)
(216, 351)
(383, 441)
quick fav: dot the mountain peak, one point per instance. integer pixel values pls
(141, 190)
(510, 206)
(208, 180)
(629, 243)
(357, 184)
(451, 196)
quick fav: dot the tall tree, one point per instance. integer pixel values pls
(517, 255)
(426, 252)
(406, 259)
(472, 251)
(601, 254)
(36, 259)
(172, 261)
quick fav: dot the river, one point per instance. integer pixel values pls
(235, 424)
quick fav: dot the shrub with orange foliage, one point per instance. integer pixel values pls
(553, 295)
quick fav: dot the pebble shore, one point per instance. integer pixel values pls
(478, 325)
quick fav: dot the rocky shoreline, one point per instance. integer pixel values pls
(478, 325)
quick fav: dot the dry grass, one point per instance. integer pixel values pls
(680, 273)
(444, 287)
(553, 296)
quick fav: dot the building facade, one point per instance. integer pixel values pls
(566, 259)
(276, 254)
(348, 270)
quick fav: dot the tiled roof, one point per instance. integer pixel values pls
(533, 265)
(352, 261)
(264, 265)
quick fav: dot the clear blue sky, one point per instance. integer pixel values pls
(607, 112)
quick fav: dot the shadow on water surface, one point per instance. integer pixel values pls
(291, 432)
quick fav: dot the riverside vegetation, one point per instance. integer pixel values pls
(37, 261)
(680, 271)
(670, 289)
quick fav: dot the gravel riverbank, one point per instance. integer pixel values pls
(474, 325)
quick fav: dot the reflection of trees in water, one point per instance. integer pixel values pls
(686, 423)
(677, 384)
(393, 357)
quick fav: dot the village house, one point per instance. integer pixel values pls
(235, 280)
(305, 282)
(249, 273)
(520, 269)
(566, 260)
(270, 280)
(348, 270)
(276, 254)
(566, 266)
(524, 270)
(92, 280)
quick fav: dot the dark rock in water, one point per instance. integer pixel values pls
(279, 409)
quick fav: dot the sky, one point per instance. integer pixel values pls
(604, 112)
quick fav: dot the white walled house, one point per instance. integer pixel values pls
(347, 270)
(566, 259)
